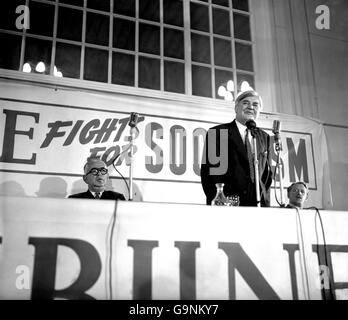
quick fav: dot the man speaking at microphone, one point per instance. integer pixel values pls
(228, 155)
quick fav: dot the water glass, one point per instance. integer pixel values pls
(233, 200)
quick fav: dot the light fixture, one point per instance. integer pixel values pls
(225, 90)
(40, 67)
(57, 73)
(29, 67)
(230, 85)
(26, 67)
(228, 96)
(222, 91)
(245, 86)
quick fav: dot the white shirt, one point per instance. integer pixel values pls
(100, 193)
(242, 128)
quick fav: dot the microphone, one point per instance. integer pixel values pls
(133, 119)
(251, 125)
(276, 127)
(276, 130)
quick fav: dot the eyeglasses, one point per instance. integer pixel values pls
(95, 171)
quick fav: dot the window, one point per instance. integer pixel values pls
(9, 59)
(183, 46)
(221, 47)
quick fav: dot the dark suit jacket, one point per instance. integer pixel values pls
(232, 168)
(106, 195)
(291, 206)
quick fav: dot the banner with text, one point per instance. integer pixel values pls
(52, 138)
(86, 249)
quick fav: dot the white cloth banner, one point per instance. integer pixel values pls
(47, 135)
(84, 249)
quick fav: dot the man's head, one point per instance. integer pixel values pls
(95, 174)
(248, 105)
(298, 194)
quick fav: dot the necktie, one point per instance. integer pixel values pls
(97, 195)
(250, 156)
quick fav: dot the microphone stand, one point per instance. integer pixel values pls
(279, 166)
(131, 158)
(256, 169)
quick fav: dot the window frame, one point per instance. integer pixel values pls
(135, 90)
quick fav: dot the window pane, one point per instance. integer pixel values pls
(221, 78)
(124, 34)
(221, 2)
(173, 12)
(125, 7)
(173, 43)
(69, 24)
(241, 27)
(149, 73)
(68, 58)
(149, 38)
(199, 17)
(123, 69)
(96, 65)
(244, 58)
(102, 5)
(200, 48)
(201, 81)
(41, 18)
(206, 38)
(8, 14)
(73, 2)
(174, 77)
(221, 22)
(9, 58)
(149, 10)
(222, 53)
(97, 29)
(245, 77)
(240, 5)
(37, 50)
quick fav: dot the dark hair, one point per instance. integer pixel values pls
(295, 183)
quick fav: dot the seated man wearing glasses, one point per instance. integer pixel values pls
(96, 176)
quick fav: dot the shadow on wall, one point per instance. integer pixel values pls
(137, 196)
(78, 186)
(120, 186)
(52, 187)
(12, 188)
(339, 185)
